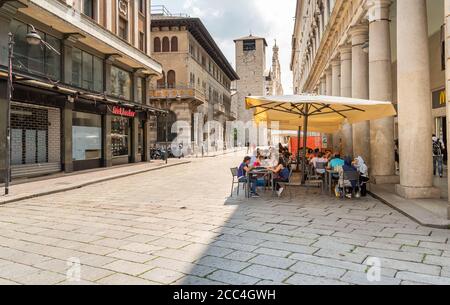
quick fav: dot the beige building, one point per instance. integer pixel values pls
(382, 50)
(197, 76)
(79, 99)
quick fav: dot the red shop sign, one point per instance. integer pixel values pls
(123, 112)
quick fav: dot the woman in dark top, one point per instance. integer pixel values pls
(282, 173)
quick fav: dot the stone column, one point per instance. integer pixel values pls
(67, 158)
(136, 157)
(346, 91)
(336, 91)
(447, 43)
(107, 143)
(414, 100)
(3, 129)
(360, 88)
(329, 78)
(382, 156)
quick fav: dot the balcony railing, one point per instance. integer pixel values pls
(219, 108)
(178, 91)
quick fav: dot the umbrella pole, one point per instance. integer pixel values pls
(298, 147)
(305, 142)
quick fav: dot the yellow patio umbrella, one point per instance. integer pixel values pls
(316, 113)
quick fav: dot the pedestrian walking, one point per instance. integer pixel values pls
(438, 156)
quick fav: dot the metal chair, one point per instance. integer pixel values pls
(287, 185)
(234, 173)
(313, 178)
(349, 176)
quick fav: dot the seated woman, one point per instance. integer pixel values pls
(259, 160)
(243, 170)
(343, 184)
(282, 173)
(363, 170)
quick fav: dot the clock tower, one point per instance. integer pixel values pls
(250, 66)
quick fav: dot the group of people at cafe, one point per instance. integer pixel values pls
(320, 162)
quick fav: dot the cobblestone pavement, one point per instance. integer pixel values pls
(179, 226)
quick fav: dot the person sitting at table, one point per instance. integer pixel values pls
(347, 167)
(281, 174)
(243, 177)
(336, 162)
(319, 159)
(259, 160)
(363, 170)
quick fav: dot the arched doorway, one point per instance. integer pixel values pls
(171, 79)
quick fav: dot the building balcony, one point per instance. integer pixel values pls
(233, 115)
(74, 25)
(179, 92)
(219, 109)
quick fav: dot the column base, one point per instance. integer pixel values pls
(418, 192)
(392, 179)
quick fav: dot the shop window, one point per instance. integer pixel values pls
(171, 79)
(174, 44)
(86, 70)
(35, 59)
(120, 133)
(165, 44)
(120, 83)
(86, 136)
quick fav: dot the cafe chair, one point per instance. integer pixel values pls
(234, 173)
(346, 183)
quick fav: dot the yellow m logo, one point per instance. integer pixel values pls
(442, 98)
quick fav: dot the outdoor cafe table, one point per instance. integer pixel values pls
(261, 173)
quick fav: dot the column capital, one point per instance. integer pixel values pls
(359, 34)
(336, 62)
(346, 52)
(378, 9)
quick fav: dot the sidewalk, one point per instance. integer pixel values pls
(67, 182)
(427, 212)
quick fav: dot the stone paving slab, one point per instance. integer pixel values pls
(50, 186)
(141, 232)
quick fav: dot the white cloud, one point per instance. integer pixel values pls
(230, 19)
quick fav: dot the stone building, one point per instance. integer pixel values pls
(197, 76)
(251, 67)
(79, 98)
(273, 78)
(380, 50)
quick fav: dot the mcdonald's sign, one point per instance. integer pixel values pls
(439, 99)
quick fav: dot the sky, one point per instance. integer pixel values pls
(227, 20)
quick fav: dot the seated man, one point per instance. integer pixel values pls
(335, 164)
(243, 170)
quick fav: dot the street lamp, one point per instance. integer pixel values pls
(34, 39)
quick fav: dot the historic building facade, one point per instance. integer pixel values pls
(251, 68)
(197, 77)
(380, 50)
(273, 75)
(80, 96)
